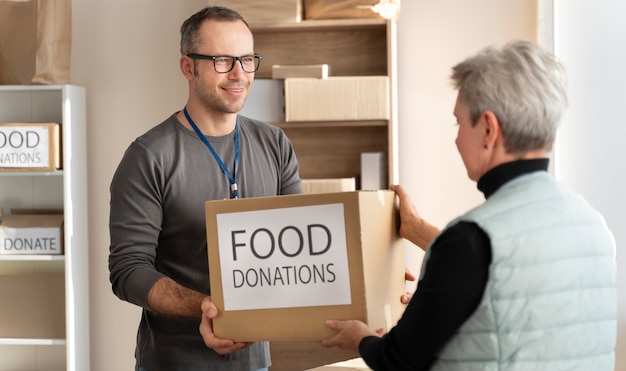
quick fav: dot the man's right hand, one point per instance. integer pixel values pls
(220, 346)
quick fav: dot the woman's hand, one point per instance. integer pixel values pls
(412, 226)
(350, 334)
(406, 297)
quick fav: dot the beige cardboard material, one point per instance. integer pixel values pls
(31, 234)
(375, 257)
(22, 146)
(337, 98)
(356, 364)
(334, 9)
(329, 185)
(33, 306)
(281, 71)
(264, 11)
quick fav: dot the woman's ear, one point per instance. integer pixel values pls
(492, 128)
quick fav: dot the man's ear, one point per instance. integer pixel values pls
(187, 67)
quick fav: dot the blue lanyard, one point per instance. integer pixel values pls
(234, 193)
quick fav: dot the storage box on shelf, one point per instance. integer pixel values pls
(44, 319)
(30, 146)
(31, 234)
(337, 98)
(255, 11)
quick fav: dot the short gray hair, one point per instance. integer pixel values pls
(523, 85)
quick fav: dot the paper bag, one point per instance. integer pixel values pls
(35, 41)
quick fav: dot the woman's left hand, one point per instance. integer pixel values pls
(350, 334)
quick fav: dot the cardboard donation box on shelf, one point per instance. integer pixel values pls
(344, 9)
(264, 11)
(337, 98)
(30, 146)
(339, 9)
(280, 266)
(32, 232)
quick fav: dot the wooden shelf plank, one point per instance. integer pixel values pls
(330, 124)
(33, 341)
(33, 258)
(31, 173)
(319, 25)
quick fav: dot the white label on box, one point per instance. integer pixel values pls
(284, 258)
(24, 147)
(30, 241)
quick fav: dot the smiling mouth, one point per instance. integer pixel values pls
(236, 90)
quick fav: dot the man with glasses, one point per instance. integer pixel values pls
(206, 151)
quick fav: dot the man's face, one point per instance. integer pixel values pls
(223, 92)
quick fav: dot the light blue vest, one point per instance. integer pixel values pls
(551, 299)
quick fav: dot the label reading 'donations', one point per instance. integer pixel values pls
(24, 147)
(284, 258)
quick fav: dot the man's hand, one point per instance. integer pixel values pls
(220, 346)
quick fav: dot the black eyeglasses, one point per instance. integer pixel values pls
(226, 63)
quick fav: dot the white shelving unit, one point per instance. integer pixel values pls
(44, 299)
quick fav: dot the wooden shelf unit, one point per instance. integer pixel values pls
(351, 47)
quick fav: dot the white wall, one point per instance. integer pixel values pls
(126, 53)
(591, 42)
(432, 37)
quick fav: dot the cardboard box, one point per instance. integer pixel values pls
(333, 9)
(318, 71)
(328, 185)
(264, 11)
(280, 266)
(33, 307)
(337, 98)
(356, 364)
(30, 146)
(31, 234)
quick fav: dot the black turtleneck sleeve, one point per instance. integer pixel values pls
(448, 292)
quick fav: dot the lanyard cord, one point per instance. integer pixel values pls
(234, 193)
